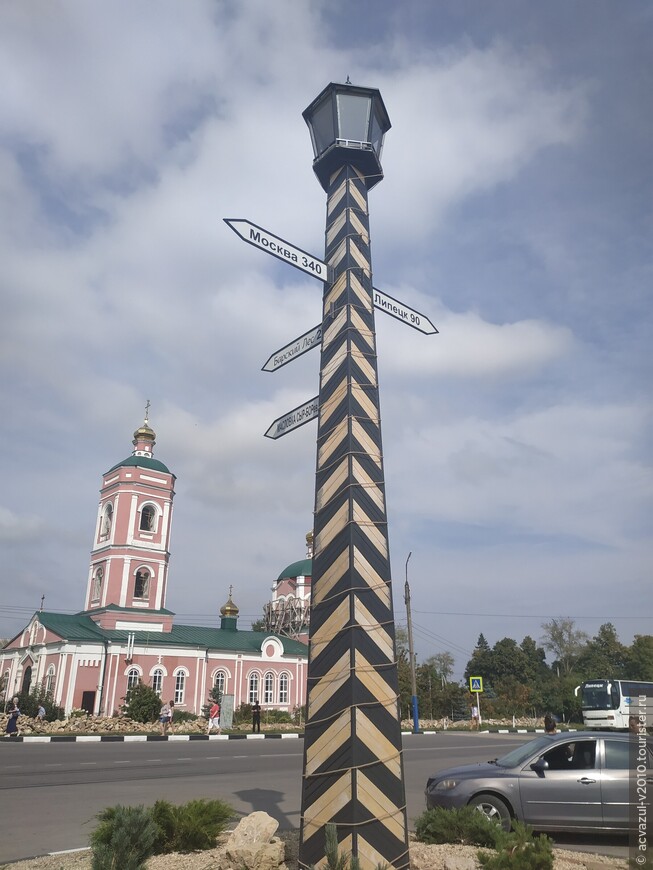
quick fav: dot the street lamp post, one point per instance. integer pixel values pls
(353, 768)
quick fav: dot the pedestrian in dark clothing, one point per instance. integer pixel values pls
(256, 717)
(12, 722)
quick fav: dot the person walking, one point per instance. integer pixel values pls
(171, 704)
(256, 717)
(164, 719)
(214, 717)
(40, 713)
(12, 721)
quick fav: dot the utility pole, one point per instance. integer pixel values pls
(413, 681)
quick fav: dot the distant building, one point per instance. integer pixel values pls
(126, 634)
(288, 611)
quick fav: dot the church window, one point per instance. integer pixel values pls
(142, 584)
(49, 681)
(180, 686)
(148, 518)
(253, 688)
(283, 688)
(268, 693)
(133, 678)
(220, 681)
(107, 520)
(97, 584)
(157, 681)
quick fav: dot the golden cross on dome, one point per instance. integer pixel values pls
(231, 589)
(147, 411)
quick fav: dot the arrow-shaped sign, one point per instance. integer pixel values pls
(279, 248)
(294, 419)
(296, 348)
(402, 312)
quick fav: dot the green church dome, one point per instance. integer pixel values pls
(143, 462)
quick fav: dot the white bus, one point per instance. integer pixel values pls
(610, 703)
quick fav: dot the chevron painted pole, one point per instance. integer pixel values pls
(353, 767)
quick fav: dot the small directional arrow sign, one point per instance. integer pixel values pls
(279, 248)
(294, 419)
(402, 312)
(296, 348)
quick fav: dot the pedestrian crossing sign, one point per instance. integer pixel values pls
(476, 684)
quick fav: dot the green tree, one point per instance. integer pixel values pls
(258, 625)
(142, 703)
(565, 641)
(481, 661)
(603, 656)
(639, 658)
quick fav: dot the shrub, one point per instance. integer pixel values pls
(465, 826)
(190, 827)
(29, 703)
(142, 703)
(518, 850)
(124, 838)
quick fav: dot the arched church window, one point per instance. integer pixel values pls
(220, 681)
(98, 577)
(142, 584)
(253, 688)
(133, 677)
(268, 693)
(148, 518)
(107, 520)
(157, 681)
(180, 687)
(49, 681)
(283, 688)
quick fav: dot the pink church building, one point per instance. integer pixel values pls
(125, 633)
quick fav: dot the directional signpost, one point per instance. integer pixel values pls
(279, 248)
(353, 768)
(294, 419)
(296, 348)
(402, 312)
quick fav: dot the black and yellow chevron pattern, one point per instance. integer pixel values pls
(353, 767)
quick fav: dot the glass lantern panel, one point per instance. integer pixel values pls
(353, 117)
(377, 136)
(322, 127)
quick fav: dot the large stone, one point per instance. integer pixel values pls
(255, 829)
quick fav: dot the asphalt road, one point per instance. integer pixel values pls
(51, 792)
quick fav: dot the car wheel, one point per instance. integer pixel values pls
(494, 808)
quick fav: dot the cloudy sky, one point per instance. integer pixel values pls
(515, 212)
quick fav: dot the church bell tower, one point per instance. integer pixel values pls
(130, 553)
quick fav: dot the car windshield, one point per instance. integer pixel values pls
(518, 756)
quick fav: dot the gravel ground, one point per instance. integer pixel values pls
(422, 858)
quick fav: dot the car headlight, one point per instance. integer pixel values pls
(446, 784)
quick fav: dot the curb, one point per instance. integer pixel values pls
(141, 738)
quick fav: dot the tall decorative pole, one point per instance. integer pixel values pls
(353, 766)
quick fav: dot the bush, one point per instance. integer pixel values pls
(465, 826)
(29, 703)
(518, 850)
(124, 838)
(142, 703)
(190, 827)
(127, 836)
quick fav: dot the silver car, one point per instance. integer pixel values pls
(581, 781)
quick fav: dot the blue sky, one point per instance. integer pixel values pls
(515, 212)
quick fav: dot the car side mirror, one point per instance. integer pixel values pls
(540, 765)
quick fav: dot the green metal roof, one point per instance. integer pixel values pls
(80, 627)
(303, 568)
(142, 462)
